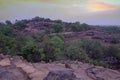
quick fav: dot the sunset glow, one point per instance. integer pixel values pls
(101, 7)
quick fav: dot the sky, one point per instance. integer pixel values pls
(93, 12)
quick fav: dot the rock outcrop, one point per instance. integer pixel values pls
(60, 75)
(12, 73)
(16, 68)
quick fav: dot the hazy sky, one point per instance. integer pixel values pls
(101, 12)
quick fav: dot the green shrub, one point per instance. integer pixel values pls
(93, 48)
(113, 51)
(75, 27)
(32, 52)
(112, 30)
(74, 52)
(7, 30)
(9, 23)
(100, 63)
(21, 24)
(57, 28)
(52, 47)
(6, 44)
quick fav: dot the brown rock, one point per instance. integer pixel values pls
(12, 73)
(60, 75)
(67, 65)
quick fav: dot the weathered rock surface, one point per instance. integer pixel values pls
(12, 73)
(60, 75)
(15, 68)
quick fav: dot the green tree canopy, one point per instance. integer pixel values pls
(57, 28)
(52, 47)
(7, 30)
(93, 48)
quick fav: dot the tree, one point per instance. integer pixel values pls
(9, 23)
(112, 30)
(112, 51)
(32, 52)
(21, 24)
(74, 27)
(37, 18)
(74, 52)
(58, 21)
(85, 26)
(52, 47)
(93, 48)
(115, 39)
(6, 30)
(6, 44)
(57, 28)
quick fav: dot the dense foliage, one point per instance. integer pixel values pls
(76, 27)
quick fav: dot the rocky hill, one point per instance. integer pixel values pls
(43, 40)
(16, 68)
(70, 31)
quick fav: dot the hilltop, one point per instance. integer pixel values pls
(71, 31)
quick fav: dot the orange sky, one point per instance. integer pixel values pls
(101, 7)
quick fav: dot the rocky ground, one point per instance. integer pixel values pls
(16, 68)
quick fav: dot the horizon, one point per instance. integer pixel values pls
(14, 21)
(92, 12)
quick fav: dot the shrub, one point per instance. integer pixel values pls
(6, 44)
(112, 51)
(57, 28)
(52, 47)
(75, 27)
(7, 30)
(112, 30)
(32, 52)
(9, 23)
(93, 48)
(21, 24)
(74, 52)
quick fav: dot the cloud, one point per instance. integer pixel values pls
(99, 6)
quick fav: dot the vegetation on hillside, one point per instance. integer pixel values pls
(47, 47)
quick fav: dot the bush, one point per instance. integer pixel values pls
(9, 23)
(84, 27)
(52, 47)
(21, 24)
(113, 51)
(37, 18)
(7, 30)
(57, 28)
(100, 63)
(32, 52)
(93, 48)
(6, 44)
(75, 27)
(74, 52)
(112, 30)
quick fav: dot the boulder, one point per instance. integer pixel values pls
(60, 75)
(12, 73)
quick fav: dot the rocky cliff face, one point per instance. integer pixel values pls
(16, 68)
